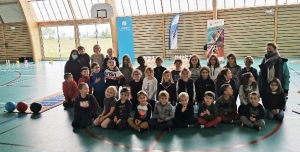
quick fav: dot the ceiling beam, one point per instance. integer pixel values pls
(163, 29)
(113, 27)
(33, 29)
(8, 3)
(71, 22)
(75, 24)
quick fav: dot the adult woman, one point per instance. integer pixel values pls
(73, 65)
(273, 66)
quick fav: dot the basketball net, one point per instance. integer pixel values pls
(100, 19)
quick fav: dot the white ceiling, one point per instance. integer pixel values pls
(11, 12)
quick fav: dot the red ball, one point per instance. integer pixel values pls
(22, 106)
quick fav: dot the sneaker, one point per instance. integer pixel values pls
(191, 126)
(242, 124)
(257, 127)
(201, 126)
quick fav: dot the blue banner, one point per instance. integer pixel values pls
(173, 32)
(125, 37)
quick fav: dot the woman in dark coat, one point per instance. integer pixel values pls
(73, 65)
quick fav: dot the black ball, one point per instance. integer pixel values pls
(35, 107)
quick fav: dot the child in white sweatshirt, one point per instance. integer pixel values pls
(150, 86)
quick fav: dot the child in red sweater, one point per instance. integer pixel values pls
(85, 72)
(70, 90)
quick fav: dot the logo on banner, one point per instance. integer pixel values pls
(124, 23)
(124, 27)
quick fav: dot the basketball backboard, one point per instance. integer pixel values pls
(102, 10)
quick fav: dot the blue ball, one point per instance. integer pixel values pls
(10, 106)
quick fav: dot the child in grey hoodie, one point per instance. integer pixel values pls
(164, 113)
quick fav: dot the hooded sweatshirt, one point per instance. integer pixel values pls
(164, 112)
(100, 86)
(214, 72)
(201, 86)
(127, 72)
(114, 77)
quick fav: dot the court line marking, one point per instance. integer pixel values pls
(20, 74)
(152, 145)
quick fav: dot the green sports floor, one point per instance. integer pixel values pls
(52, 131)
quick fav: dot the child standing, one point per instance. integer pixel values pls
(214, 66)
(164, 113)
(150, 86)
(208, 113)
(142, 66)
(168, 85)
(224, 78)
(126, 69)
(122, 111)
(142, 114)
(83, 57)
(110, 53)
(185, 84)
(158, 71)
(70, 90)
(109, 108)
(98, 83)
(203, 83)
(85, 72)
(135, 86)
(184, 113)
(255, 115)
(248, 68)
(195, 67)
(85, 107)
(249, 85)
(176, 73)
(98, 57)
(113, 75)
(235, 71)
(274, 102)
(226, 105)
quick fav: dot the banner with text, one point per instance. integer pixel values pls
(173, 32)
(215, 38)
(125, 37)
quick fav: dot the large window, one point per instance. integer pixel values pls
(95, 34)
(59, 41)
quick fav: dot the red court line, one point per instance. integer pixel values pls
(155, 141)
(209, 150)
(111, 143)
(12, 80)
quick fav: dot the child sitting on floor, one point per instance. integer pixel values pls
(70, 90)
(255, 115)
(85, 107)
(122, 111)
(142, 114)
(274, 102)
(226, 105)
(164, 113)
(109, 108)
(208, 113)
(184, 113)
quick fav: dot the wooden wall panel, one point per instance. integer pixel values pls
(247, 30)
(18, 40)
(2, 50)
(289, 30)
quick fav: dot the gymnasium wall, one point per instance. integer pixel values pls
(247, 30)
(18, 40)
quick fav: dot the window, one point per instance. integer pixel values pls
(50, 42)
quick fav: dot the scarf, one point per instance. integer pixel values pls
(269, 63)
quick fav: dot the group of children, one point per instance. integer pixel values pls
(152, 93)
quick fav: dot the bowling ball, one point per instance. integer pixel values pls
(22, 106)
(35, 107)
(10, 106)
